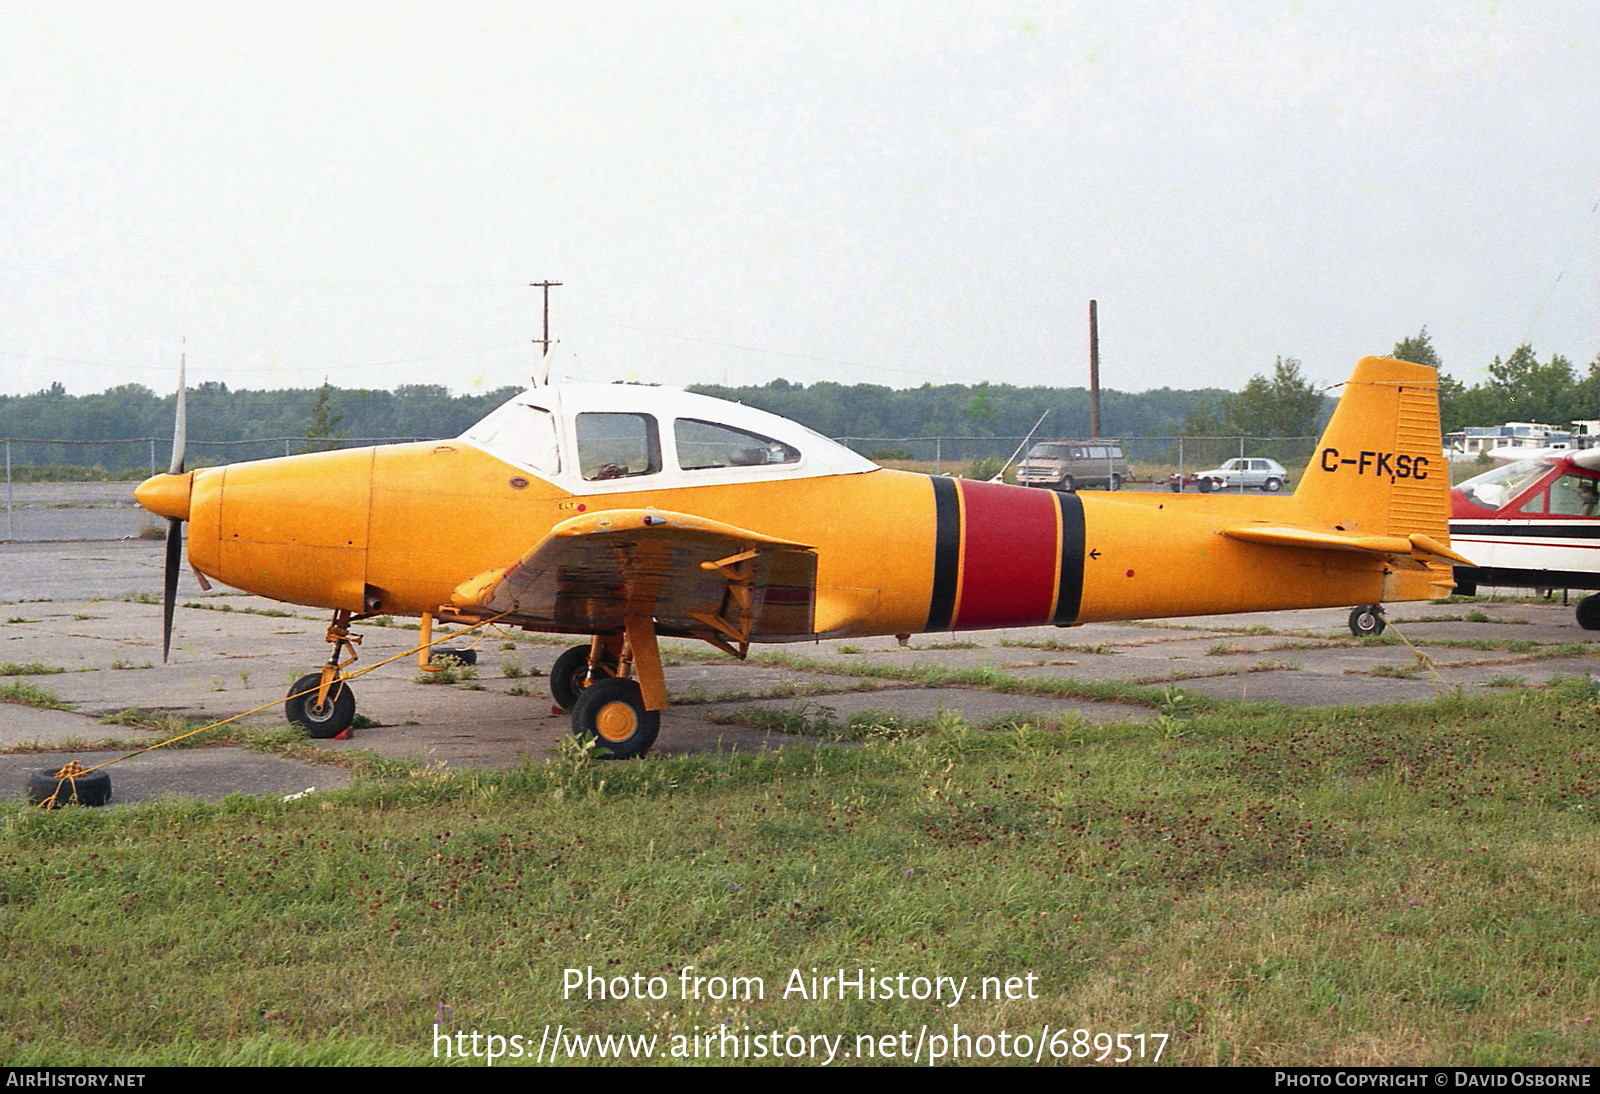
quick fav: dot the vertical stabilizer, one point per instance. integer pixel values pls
(1379, 468)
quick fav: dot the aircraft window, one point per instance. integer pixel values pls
(1498, 488)
(526, 434)
(704, 444)
(618, 446)
(1570, 496)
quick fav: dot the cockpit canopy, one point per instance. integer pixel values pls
(597, 438)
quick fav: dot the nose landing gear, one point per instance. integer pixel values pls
(322, 701)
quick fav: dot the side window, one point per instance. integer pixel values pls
(1569, 496)
(617, 446)
(703, 445)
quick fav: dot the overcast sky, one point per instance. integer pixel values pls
(731, 192)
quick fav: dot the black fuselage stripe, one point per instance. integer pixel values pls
(946, 554)
(1528, 531)
(1069, 594)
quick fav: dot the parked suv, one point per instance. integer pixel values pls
(1244, 471)
(1068, 465)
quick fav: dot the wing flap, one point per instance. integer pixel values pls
(695, 577)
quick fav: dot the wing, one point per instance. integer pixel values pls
(696, 578)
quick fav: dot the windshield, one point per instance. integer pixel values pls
(1498, 488)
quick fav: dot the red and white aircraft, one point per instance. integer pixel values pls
(1532, 524)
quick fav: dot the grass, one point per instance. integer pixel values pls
(1410, 885)
(29, 695)
(30, 668)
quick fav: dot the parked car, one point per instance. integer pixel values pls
(1067, 465)
(1241, 471)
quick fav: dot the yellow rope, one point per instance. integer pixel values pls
(1440, 688)
(71, 776)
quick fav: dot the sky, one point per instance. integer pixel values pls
(732, 192)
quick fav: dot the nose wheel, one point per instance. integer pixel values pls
(322, 701)
(326, 720)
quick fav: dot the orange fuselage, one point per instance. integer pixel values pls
(399, 528)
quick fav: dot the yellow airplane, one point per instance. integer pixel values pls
(622, 513)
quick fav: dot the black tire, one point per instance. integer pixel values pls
(1272, 486)
(1205, 486)
(1589, 613)
(1067, 484)
(1177, 488)
(91, 789)
(465, 657)
(331, 718)
(1366, 621)
(569, 675)
(611, 713)
(1116, 483)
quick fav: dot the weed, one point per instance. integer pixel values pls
(30, 696)
(31, 668)
(120, 664)
(449, 670)
(1476, 617)
(848, 649)
(511, 671)
(1393, 672)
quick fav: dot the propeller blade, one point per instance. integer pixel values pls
(180, 424)
(169, 599)
(180, 441)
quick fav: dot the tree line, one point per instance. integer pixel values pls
(1279, 402)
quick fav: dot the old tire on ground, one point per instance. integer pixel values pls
(91, 789)
(1589, 613)
(568, 675)
(330, 719)
(611, 712)
(1366, 620)
(1272, 486)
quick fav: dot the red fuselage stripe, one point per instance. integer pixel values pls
(1009, 559)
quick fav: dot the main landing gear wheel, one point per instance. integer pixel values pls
(1589, 613)
(569, 675)
(1366, 620)
(323, 722)
(611, 711)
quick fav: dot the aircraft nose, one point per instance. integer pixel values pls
(166, 495)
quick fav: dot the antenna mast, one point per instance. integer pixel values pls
(542, 375)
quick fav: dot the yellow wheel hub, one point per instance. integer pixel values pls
(616, 721)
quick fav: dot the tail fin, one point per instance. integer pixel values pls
(1378, 469)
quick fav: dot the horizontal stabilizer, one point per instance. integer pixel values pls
(1416, 546)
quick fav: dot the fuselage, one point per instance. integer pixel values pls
(399, 529)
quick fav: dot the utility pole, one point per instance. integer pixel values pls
(543, 372)
(1094, 370)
